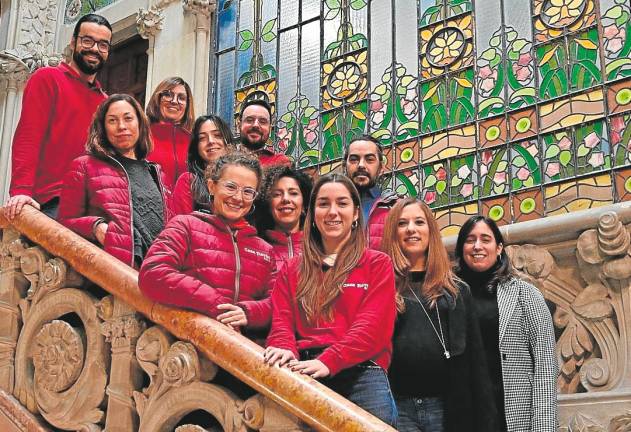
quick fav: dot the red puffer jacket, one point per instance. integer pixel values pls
(170, 150)
(97, 190)
(182, 200)
(285, 245)
(377, 219)
(198, 262)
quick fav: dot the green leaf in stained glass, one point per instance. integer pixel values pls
(441, 186)
(582, 151)
(565, 157)
(552, 151)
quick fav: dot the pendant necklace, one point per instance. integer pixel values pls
(441, 337)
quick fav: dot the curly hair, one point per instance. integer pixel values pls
(214, 171)
(264, 219)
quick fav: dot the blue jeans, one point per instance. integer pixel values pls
(367, 386)
(420, 414)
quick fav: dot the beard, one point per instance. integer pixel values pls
(372, 181)
(86, 67)
(252, 145)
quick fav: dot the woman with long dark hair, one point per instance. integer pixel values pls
(113, 195)
(282, 209)
(211, 138)
(171, 113)
(334, 307)
(517, 330)
(213, 261)
(438, 374)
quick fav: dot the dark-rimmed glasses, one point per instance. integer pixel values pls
(88, 42)
(170, 96)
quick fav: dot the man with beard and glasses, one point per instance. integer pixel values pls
(255, 124)
(57, 109)
(363, 165)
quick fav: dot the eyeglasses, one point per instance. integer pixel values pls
(231, 189)
(251, 120)
(88, 42)
(179, 98)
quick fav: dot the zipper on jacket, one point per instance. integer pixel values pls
(131, 210)
(174, 142)
(291, 246)
(237, 257)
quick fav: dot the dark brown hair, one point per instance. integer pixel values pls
(153, 107)
(99, 145)
(317, 290)
(439, 277)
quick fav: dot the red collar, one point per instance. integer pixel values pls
(95, 85)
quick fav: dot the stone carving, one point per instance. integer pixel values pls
(190, 428)
(60, 370)
(37, 24)
(582, 423)
(200, 7)
(149, 21)
(621, 423)
(122, 331)
(260, 413)
(588, 306)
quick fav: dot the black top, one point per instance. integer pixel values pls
(146, 200)
(419, 366)
(488, 316)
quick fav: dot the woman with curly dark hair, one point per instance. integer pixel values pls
(281, 210)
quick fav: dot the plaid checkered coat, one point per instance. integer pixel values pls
(529, 364)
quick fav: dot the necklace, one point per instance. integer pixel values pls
(441, 336)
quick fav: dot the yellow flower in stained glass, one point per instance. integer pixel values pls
(561, 13)
(445, 47)
(345, 80)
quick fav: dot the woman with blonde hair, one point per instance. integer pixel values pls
(438, 375)
(172, 114)
(333, 308)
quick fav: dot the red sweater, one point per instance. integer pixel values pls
(57, 109)
(170, 150)
(363, 316)
(285, 246)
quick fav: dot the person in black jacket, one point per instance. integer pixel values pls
(438, 372)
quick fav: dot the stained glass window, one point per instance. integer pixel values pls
(515, 109)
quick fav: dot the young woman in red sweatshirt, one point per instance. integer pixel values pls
(281, 210)
(171, 113)
(211, 138)
(334, 307)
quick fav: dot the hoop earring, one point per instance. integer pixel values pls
(354, 224)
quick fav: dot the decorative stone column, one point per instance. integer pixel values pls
(202, 10)
(149, 23)
(13, 74)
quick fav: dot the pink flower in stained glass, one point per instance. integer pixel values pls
(487, 157)
(376, 118)
(592, 140)
(553, 169)
(614, 38)
(441, 174)
(484, 169)
(596, 159)
(523, 173)
(499, 177)
(466, 190)
(429, 197)
(565, 143)
(464, 171)
(532, 149)
(282, 133)
(310, 137)
(408, 107)
(617, 127)
(488, 77)
(376, 105)
(523, 68)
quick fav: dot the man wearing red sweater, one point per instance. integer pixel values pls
(255, 125)
(57, 109)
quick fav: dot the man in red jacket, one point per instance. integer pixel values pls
(57, 109)
(255, 124)
(363, 165)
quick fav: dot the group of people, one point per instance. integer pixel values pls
(341, 281)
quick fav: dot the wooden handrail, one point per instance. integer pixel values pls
(302, 396)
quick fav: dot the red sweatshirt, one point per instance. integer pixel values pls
(363, 316)
(170, 150)
(57, 109)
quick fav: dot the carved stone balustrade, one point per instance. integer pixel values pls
(79, 357)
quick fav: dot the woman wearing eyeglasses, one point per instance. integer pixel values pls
(171, 113)
(212, 261)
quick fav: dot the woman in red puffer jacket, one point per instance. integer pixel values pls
(171, 113)
(215, 263)
(113, 195)
(281, 210)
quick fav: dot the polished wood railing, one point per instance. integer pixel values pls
(38, 292)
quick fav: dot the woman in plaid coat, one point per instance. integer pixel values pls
(516, 328)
